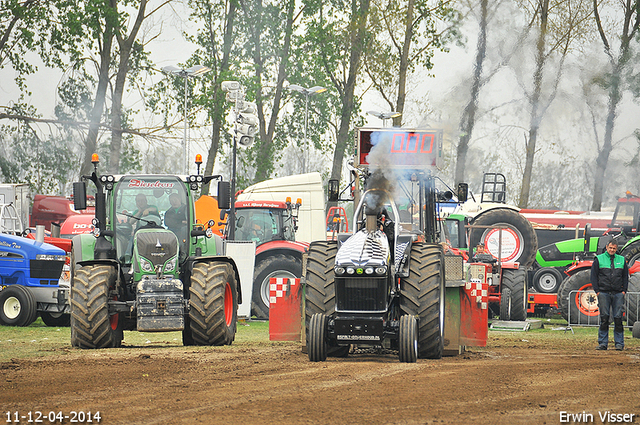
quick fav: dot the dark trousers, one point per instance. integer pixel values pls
(611, 302)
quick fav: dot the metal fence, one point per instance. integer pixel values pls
(582, 308)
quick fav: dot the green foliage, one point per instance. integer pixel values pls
(29, 158)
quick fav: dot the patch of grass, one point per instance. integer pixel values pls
(39, 340)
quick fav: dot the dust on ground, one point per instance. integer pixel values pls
(515, 379)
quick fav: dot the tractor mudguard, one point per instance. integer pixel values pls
(192, 261)
(578, 266)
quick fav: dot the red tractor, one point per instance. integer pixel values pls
(272, 225)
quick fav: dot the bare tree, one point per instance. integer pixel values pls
(618, 61)
(568, 17)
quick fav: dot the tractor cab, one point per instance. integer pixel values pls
(627, 215)
(265, 221)
(149, 202)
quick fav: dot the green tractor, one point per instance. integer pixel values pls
(148, 266)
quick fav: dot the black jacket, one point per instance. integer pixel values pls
(608, 277)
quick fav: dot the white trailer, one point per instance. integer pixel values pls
(309, 188)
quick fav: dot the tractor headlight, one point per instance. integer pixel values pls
(381, 270)
(368, 270)
(351, 270)
(170, 265)
(339, 270)
(146, 265)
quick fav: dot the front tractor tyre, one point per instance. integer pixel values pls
(320, 295)
(515, 280)
(579, 299)
(317, 340)
(633, 299)
(91, 324)
(273, 266)
(55, 319)
(547, 280)
(408, 339)
(213, 305)
(505, 304)
(17, 306)
(422, 295)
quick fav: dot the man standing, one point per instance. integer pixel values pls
(610, 278)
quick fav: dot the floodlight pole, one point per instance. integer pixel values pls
(307, 92)
(194, 71)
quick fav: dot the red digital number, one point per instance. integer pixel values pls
(409, 142)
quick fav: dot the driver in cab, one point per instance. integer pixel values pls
(144, 209)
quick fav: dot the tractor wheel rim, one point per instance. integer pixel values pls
(12, 308)
(228, 304)
(587, 301)
(548, 281)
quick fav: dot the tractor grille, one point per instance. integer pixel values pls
(158, 246)
(454, 267)
(46, 269)
(361, 294)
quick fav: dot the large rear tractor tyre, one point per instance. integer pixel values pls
(633, 299)
(519, 240)
(17, 306)
(55, 319)
(516, 281)
(408, 339)
(422, 295)
(91, 324)
(547, 280)
(317, 341)
(632, 253)
(579, 298)
(213, 305)
(320, 296)
(505, 304)
(273, 266)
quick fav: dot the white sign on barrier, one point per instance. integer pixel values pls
(243, 254)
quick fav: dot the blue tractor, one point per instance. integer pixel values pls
(29, 281)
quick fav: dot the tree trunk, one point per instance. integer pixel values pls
(536, 116)
(90, 142)
(121, 78)
(603, 156)
(629, 31)
(218, 95)
(359, 21)
(404, 64)
(468, 119)
(264, 164)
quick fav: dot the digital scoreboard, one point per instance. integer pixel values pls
(399, 148)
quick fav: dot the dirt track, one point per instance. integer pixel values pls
(510, 381)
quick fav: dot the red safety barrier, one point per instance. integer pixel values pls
(285, 309)
(474, 317)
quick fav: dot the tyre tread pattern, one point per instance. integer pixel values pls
(516, 281)
(90, 324)
(514, 219)
(320, 295)
(421, 295)
(207, 297)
